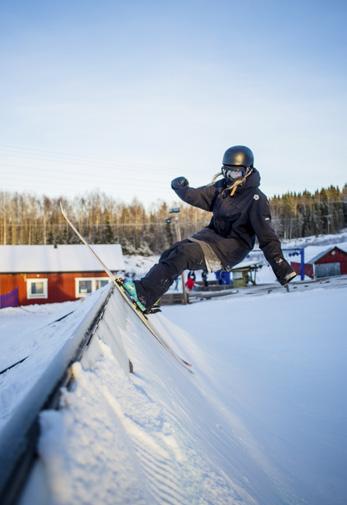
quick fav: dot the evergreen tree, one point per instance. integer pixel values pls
(28, 219)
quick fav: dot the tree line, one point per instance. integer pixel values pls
(30, 219)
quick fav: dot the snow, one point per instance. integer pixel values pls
(139, 265)
(47, 345)
(313, 253)
(282, 371)
(60, 258)
(22, 330)
(261, 420)
(328, 239)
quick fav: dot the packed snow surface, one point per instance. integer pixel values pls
(261, 420)
(277, 362)
(36, 347)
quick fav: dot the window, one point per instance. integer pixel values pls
(86, 285)
(100, 283)
(37, 288)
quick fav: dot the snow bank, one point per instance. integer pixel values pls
(25, 388)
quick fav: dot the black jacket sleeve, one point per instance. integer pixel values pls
(260, 218)
(198, 197)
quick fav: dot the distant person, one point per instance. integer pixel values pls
(218, 276)
(204, 278)
(223, 277)
(240, 213)
(190, 283)
(226, 278)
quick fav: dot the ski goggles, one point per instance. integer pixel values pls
(232, 172)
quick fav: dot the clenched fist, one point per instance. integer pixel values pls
(179, 182)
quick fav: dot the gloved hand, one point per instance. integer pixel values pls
(179, 182)
(283, 271)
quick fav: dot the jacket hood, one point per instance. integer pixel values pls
(253, 181)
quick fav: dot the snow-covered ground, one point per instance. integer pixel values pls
(24, 329)
(37, 344)
(276, 366)
(262, 419)
(317, 240)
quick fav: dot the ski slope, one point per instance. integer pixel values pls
(262, 420)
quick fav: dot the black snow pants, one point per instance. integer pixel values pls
(184, 255)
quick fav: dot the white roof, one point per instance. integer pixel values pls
(247, 264)
(62, 258)
(314, 252)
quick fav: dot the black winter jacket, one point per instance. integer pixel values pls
(236, 220)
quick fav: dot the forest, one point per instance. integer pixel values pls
(31, 219)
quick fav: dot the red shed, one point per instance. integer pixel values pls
(323, 261)
(46, 273)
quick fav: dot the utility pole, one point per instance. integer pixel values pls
(176, 211)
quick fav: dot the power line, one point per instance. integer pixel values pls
(85, 225)
(53, 156)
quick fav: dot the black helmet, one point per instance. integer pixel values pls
(238, 156)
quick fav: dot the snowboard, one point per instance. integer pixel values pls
(118, 284)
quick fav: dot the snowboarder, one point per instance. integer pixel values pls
(240, 212)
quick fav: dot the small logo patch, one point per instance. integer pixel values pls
(256, 197)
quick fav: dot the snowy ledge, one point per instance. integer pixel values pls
(24, 392)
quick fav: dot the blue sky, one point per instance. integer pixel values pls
(124, 96)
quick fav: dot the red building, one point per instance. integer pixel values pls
(47, 273)
(323, 261)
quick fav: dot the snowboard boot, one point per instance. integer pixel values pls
(130, 289)
(154, 309)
